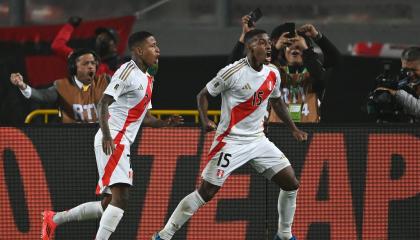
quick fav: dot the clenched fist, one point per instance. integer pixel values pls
(17, 80)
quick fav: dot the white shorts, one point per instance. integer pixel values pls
(262, 154)
(114, 168)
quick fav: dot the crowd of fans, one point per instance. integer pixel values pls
(304, 56)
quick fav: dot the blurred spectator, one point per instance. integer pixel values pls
(303, 73)
(408, 96)
(106, 40)
(78, 94)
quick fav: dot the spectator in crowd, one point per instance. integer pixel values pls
(106, 40)
(303, 73)
(78, 94)
(408, 98)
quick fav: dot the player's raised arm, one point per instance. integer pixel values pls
(107, 141)
(203, 105)
(281, 110)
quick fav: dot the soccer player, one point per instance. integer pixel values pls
(245, 86)
(124, 105)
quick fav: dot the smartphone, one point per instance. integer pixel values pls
(290, 27)
(255, 16)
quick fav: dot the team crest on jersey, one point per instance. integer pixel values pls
(220, 173)
(270, 85)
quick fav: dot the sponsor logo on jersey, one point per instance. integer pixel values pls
(246, 87)
(116, 86)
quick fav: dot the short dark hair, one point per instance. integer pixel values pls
(411, 54)
(71, 61)
(137, 37)
(249, 35)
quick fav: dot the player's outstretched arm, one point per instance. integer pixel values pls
(151, 121)
(203, 105)
(281, 110)
(107, 142)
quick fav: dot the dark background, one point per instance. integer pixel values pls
(179, 80)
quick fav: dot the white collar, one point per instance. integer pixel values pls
(78, 83)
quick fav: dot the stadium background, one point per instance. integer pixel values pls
(359, 180)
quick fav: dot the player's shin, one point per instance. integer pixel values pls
(286, 208)
(85, 211)
(183, 212)
(109, 222)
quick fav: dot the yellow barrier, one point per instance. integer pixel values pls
(157, 113)
(44, 112)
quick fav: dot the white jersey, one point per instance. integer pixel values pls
(132, 92)
(245, 93)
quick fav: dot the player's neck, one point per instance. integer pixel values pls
(140, 64)
(254, 64)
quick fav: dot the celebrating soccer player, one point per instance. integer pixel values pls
(122, 109)
(245, 86)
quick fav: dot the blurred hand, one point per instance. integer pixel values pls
(75, 21)
(309, 30)
(300, 135)
(245, 27)
(17, 80)
(299, 42)
(108, 145)
(283, 41)
(392, 91)
(175, 120)
(209, 125)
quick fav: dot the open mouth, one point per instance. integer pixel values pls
(295, 53)
(268, 57)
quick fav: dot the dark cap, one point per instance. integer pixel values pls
(110, 31)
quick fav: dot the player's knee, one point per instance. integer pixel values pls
(207, 193)
(120, 200)
(293, 185)
(106, 200)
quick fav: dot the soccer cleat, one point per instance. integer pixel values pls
(48, 225)
(156, 236)
(278, 238)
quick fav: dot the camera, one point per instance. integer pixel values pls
(381, 103)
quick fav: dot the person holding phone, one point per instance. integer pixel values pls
(304, 73)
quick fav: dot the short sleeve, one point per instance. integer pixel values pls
(220, 83)
(276, 93)
(115, 88)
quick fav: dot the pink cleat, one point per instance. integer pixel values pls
(48, 225)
